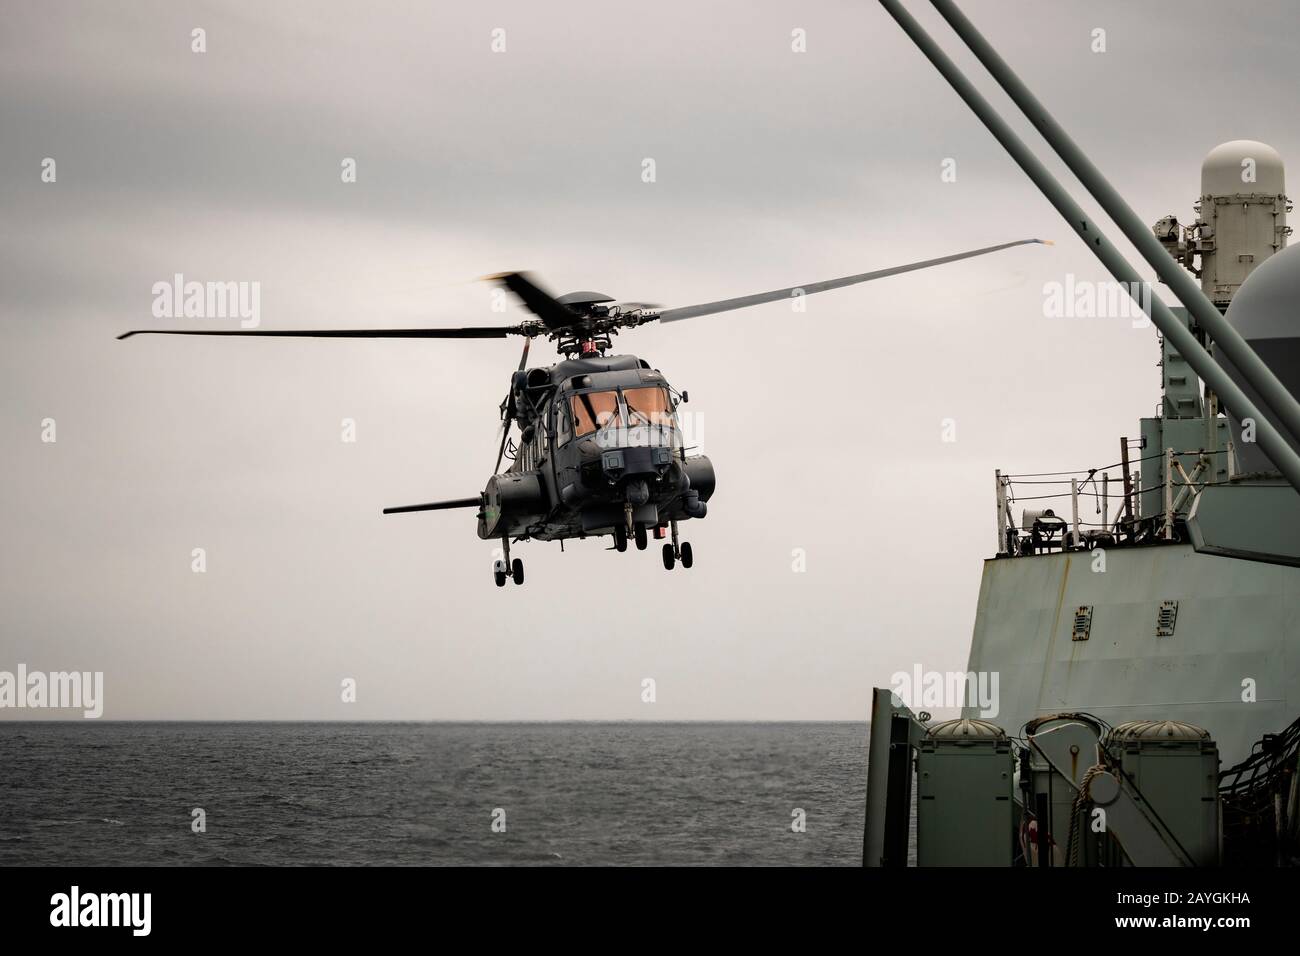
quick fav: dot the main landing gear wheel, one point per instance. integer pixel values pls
(677, 550)
(499, 574)
(620, 539)
(642, 539)
(517, 571)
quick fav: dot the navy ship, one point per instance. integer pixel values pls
(1144, 658)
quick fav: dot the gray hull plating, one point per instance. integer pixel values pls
(1231, 664)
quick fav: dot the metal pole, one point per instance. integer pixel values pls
(898, 801)
(1105, 500)
(1273, 395)
(1169, 494)
(1042, 810)
(1189, 481)
(1074, 508)
(1002, 512)
(1128, 483)
(1175, 330)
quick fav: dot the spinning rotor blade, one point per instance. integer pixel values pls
(554, 315)
(505, 419)
(726, 305)
(501, 451)
(471, 332)
(436, 506)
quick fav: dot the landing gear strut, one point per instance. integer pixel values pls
(505, 568)
(676, 550)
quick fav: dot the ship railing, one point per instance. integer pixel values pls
(1046, 529)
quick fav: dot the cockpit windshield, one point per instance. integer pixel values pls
(648, 406)
(593, 410)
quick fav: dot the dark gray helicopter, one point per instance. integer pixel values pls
(600, 451)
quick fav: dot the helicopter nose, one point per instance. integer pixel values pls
(619, 462)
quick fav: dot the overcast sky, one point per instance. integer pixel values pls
(772, 168)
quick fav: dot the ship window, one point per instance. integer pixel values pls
(592, 410)
(648, 406)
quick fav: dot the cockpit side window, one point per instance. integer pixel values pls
(562, 430)
(593, 410)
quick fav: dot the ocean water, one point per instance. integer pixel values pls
(91, 793)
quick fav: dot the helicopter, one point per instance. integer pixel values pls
(600, 450)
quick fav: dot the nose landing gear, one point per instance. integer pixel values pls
(637, 533)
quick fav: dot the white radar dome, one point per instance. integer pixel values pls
(1266, 312)
(1242, 166)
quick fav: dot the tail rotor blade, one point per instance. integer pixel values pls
(503, 433)
(501, 452)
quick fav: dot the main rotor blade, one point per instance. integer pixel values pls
(471, 332)
(437, 506)
(744, 302)
(541, 303)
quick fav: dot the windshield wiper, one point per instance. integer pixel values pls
(585, 398)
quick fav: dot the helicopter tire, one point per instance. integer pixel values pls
(669, 558)
(517, 571)
(500, 578)
(620, 539)
(688, 558)
(642, 538)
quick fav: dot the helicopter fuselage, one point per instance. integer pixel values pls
(600, 453)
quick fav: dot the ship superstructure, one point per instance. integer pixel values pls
(1148, 663)
(1182, 601)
